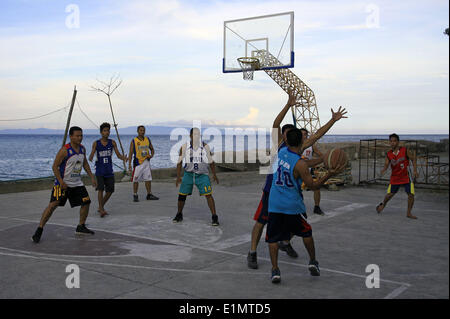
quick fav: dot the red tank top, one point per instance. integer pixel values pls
(399, 165)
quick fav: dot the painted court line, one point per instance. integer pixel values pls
(231, 242)
(221, 252)
(395, 293)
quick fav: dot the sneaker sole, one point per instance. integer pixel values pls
(276, 279)
(314, 271)
(35, 241)
(77, 233)
(252, 266)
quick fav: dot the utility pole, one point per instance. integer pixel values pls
(70, 115)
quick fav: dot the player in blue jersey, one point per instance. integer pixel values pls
(279, 138)
(103, 149)
(286, 205)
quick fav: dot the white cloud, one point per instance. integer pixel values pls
(169, 55)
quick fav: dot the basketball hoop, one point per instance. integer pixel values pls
(248, 66)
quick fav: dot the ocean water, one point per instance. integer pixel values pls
(31, 156)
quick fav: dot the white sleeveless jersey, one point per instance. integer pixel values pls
(71, 166)
(196, 161)
(308, 153)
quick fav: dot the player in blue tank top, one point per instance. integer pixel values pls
(286, 206)
(279, 138)
(103, 149)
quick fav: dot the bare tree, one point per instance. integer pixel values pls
(108, 89)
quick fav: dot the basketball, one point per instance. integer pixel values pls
(334, 158)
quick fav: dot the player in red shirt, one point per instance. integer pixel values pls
(398, 158)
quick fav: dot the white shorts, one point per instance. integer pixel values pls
(142, 173)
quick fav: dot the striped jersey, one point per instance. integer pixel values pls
(71, 166)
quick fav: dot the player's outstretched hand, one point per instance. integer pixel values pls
(292, 98)
(339, 114)
(337, 170)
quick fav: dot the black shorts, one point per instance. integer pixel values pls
(78, 196)
(281, 226)
(105, 184)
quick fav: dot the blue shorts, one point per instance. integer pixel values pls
(409, 188)
(201, 181)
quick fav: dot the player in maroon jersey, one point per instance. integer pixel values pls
(398, 158)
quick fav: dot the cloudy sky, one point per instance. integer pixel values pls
(385, 61)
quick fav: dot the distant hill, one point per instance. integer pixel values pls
(131, 130)
(155, 130)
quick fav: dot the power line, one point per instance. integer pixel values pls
(35, 117)
(85, 115)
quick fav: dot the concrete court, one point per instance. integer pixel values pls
(137, 252)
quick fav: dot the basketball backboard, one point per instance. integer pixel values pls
(262, 37)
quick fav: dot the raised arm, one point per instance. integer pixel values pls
(335, 116)
(316, 151)
(94, 147)
(280, 118)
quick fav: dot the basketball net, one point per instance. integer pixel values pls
(248, 66)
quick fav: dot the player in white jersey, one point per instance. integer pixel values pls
(309, 153)
(197, 158)
(67, 166)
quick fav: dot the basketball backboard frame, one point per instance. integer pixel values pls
(274, 30)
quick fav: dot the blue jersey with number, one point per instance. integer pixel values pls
(103, 165)
(269, 177)
(286, 193)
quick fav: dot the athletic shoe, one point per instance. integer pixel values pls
(318, 211)
(135, 198)
(276, 276)
(82, 229)
(37, 235)
(252, 261)
(288, 249)
(215, 220)
(378, 207)
(178, 218)
(152, 197)
(314, 268)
